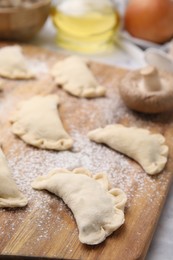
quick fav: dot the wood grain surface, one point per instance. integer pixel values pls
(46, 227)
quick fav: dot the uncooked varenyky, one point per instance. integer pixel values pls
(74, 76)
(37, 122)
(144, 147)
(98, 211)
(13, 64)
(10, 196)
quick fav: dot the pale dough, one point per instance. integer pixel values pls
(37, 122)
(10, 196)
(144, 147)
(13, 64)
(97, 210)
(76, 78)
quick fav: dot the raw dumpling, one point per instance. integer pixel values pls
(13, 64)
(97, 210)
(37, 122)
(76, 78)
(139, 144)
(10, 196)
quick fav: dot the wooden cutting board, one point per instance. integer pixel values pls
(46, 227)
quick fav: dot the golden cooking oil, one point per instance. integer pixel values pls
(88, 30)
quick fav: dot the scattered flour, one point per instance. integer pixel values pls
(27, 163)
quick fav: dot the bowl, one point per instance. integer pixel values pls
(23, 22)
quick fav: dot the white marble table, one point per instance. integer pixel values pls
(127, 56)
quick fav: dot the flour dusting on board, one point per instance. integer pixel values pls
(37, 66)
(32, 162)
(26, 163)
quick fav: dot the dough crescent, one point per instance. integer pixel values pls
(10, 196)
(37, 122)
(139, 144)
(76, 78)
(97, 210)
(13, 64)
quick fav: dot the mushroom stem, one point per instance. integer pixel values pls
(151, 80)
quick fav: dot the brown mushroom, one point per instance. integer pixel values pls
(147, 90)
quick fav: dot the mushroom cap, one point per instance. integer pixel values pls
(143, 100)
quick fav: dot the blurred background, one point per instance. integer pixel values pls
(118, 32)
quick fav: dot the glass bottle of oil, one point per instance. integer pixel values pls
(87, 26)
